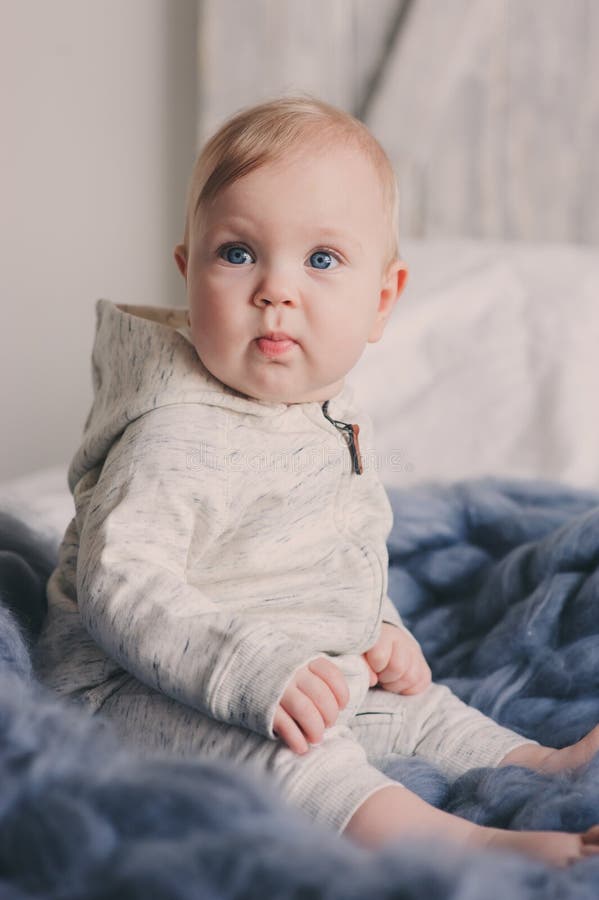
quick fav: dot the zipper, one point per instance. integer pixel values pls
(350, 433)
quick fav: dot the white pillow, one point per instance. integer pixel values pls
(489, 365)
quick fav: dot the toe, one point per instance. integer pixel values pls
(591, 835)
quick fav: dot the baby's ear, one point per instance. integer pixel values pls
(392, 285)
(180, 254)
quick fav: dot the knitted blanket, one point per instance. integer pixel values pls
(499, 581)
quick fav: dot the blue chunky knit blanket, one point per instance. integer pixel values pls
(498, 579)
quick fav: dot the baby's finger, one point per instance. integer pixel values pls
(287, 730)
(409, 682)
(323, 700)
(403, 663)
(416, 687)
(421, 677)
(378, 656)
(395, 676)
(411, 669)
(303, 711)
(372, 675)
(334, 678)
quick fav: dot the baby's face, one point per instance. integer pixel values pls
(293, 247)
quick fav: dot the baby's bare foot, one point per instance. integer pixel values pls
(574, 756)
(558, 848)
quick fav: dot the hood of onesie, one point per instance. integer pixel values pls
(143, 358)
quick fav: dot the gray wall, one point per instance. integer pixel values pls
(489, 109)
(98, 137)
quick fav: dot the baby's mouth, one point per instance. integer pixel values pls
(275, 344)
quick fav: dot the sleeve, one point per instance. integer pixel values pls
(160, 489)
(392, 617)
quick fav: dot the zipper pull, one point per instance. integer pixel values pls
(350, 433)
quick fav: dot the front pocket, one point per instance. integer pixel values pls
(374, 731)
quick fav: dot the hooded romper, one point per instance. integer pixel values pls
(218, 544)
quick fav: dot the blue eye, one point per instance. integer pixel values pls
(236, 251)
(321, 256)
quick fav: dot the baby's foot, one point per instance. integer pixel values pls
(556, 847)
(574, 756)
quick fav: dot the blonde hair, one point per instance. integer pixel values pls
(264, 133)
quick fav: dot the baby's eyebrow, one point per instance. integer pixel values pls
(335, 234)
(322, 233)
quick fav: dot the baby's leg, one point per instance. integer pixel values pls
(332, 783)
(454, 736)
(327, 783)
(393, 813)
(548, 759)
(438, 726)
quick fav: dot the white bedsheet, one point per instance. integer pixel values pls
(42, 499)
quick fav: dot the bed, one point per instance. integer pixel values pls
(482, 392)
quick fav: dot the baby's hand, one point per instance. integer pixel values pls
(397, 662)
(310, 704)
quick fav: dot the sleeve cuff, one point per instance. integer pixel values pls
(248, 689)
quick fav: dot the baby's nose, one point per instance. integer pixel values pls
(272, 299)
(274, 288)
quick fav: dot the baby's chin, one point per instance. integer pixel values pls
(316, 395)
(288, 397)
(289, 400)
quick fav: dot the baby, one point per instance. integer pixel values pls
(222, 588)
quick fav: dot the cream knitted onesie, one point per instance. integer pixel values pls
(218, 544)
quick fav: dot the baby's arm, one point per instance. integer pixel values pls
(149, 507)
